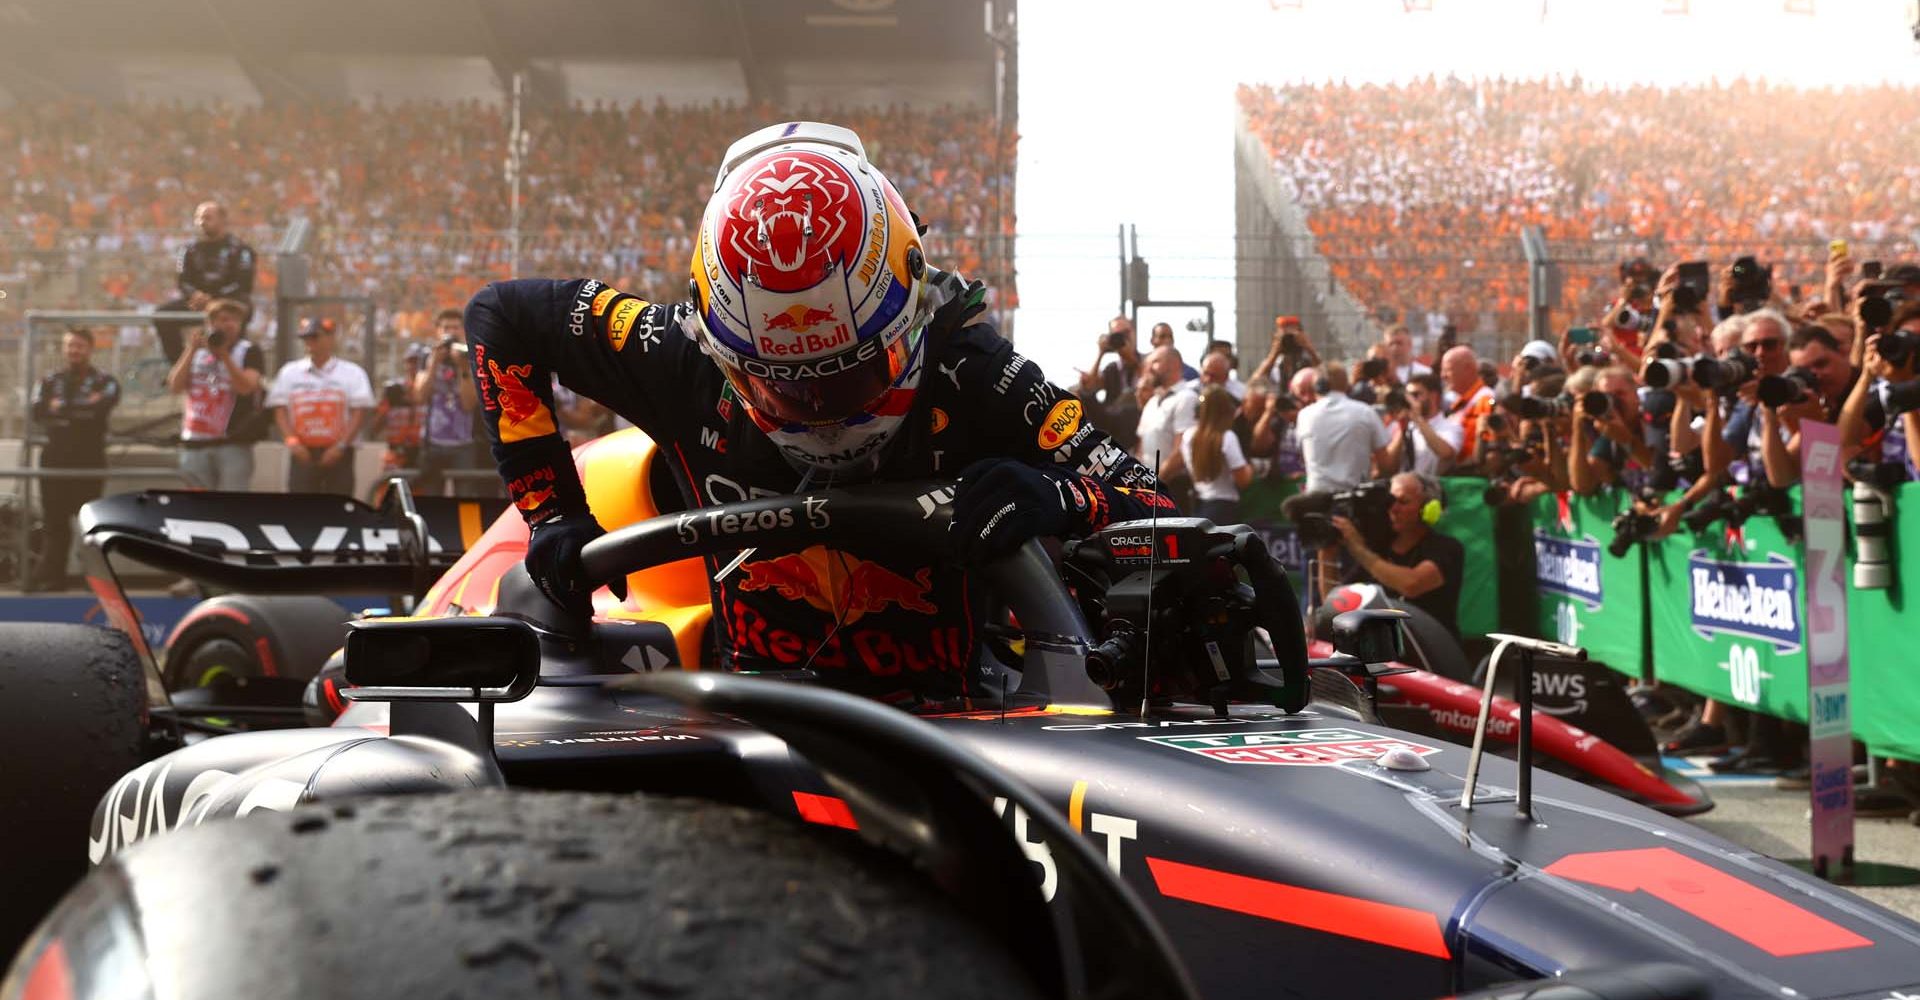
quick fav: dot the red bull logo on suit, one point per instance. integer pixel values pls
(838, 584)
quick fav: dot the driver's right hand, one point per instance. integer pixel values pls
(553, 560)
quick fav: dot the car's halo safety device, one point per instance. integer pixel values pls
(810, 291)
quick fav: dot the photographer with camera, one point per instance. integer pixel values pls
(1289, 353)
(1762, 353)
(218, 378)
(1423, 440)
(1403, 554)
(1745, 287)
(1882, 412)
(1608, 445)
(445, 388)
(1107, 387)
(1814, 387)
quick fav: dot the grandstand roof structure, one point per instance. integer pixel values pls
(248, 51)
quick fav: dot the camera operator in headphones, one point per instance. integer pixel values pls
(1418, 565)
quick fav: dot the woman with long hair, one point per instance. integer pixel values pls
(1210, 454)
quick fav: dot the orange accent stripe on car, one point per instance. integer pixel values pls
(826, 810)
(470, 526)
(1075, 802)
(1362, 919)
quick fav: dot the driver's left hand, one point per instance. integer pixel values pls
(1000, 503)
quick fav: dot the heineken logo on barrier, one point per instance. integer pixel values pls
(1755, 600)
(1568, 566)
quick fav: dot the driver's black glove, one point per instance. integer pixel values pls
(966, 301)
(553, 560)
(1000, 503)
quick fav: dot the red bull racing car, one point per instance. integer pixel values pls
(1150, 801)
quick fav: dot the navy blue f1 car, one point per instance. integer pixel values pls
(1155, 805)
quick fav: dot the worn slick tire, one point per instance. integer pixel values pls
(532, 894)
(250, 635)
(72, 722)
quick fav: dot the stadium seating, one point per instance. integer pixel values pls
(410, 202)
(1417, 192)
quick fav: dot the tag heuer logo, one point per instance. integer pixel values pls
(1303, 747)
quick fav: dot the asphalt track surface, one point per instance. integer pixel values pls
(1752, 813)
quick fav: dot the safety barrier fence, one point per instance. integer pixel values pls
(1723, 612)
(1720, 612)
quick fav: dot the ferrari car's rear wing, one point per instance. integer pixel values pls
(269, 543)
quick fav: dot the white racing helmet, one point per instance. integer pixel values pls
(810, 291)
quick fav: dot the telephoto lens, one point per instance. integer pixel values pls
(1666, 372)
(1725, 375)
(1871, 570)
(1596, 405)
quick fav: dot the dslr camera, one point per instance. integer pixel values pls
(1752, 283)
(1366, 505)
(1788, 387)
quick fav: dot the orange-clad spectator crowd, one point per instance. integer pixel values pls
(410, 202)
(1417, 192)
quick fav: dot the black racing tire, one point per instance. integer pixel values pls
(72, 722)
(226, 636)
(545, 894)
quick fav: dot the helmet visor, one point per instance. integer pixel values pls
(826, 391)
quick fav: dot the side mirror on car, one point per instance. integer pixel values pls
(480, 659)
(1370, 635)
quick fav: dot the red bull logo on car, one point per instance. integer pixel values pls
(794, 333)
(838, 584)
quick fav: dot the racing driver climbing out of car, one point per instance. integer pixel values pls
(818, 347)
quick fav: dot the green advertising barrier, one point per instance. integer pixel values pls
(1588, 596)
(1883, 641)
(1469, 520)
(1725, 613)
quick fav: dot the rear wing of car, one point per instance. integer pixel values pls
(274, 543)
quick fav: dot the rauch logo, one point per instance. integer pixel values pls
(1755, 600)
(1568, 566)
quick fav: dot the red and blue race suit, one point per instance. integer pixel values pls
(906, 621)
